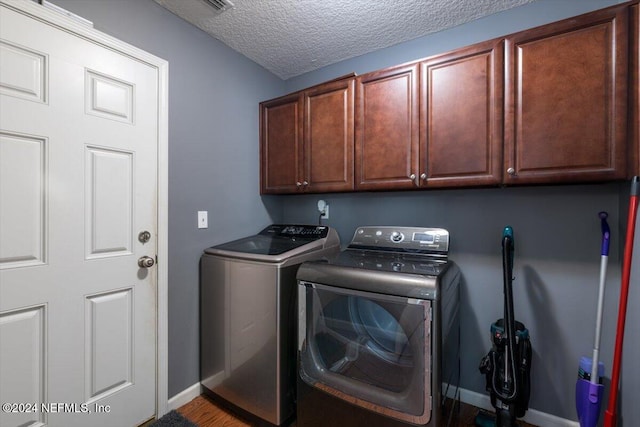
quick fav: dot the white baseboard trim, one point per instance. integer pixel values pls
(184, 397)
(532, 416)
(479, 400)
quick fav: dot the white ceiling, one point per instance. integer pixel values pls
(292, 37)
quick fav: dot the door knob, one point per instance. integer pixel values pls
(145, 262)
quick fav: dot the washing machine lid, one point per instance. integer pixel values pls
(278, 242)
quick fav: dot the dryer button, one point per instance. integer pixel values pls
(397, 237)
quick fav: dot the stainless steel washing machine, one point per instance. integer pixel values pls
(379, 331)
(248, 318)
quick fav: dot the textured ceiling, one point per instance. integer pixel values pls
(292, 37)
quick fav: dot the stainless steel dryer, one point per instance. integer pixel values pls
(248, 318)
(379, 331)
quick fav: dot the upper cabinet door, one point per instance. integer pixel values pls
(387, 129)
(461, 110)
(328, 136)
(634, 111)
(281, 144)
(566, 94)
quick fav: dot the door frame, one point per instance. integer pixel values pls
(58, 20)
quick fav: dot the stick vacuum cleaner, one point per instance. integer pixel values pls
(507, 367)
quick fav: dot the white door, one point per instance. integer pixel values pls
(78, 183)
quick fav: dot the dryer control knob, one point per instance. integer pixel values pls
(397, 237)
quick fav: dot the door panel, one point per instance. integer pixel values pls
(329, 136)
(566, 97)
(461, 117)
(108, 97)
(108, 343)
(387, 129)
(23, 180)
(281, 145)
(24, 359)
(109, 202)
(79, 135)
(26, 73)
(634, 164)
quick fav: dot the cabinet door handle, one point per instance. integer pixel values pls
(305, 183)
(412, 176)
(298, 184)
(511, 171)
(423, 176)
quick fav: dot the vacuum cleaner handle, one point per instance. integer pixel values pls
(510, 388)
(507, 234)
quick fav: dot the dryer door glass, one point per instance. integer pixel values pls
(372, 350)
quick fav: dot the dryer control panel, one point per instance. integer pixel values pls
(402, 239)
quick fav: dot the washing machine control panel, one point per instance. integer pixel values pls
(296, 231)
(406, 239)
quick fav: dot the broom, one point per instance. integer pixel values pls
(610, 413)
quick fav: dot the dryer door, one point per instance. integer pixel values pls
(372, 350)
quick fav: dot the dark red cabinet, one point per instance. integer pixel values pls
(566, 97)
(461, 106)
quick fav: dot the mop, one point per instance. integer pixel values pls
(588, 387)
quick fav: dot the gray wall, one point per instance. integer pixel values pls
(213, 150)
(557, 259)
(557, 238)
(500, 24)
(213, 165)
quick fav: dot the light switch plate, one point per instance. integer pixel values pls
(203, 219)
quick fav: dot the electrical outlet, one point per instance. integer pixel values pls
(203, 219)
(323, 208)
(325, 213)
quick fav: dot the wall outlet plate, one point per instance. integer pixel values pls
(325, 214)
(203, 219)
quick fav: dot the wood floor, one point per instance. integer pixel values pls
(205, 413)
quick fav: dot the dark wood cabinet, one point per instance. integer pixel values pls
(566, 98)
(281, 144)
(306, 140)
(387, 131)
(329, 137)
(555, 104)
(461, 111)
(634, 110)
